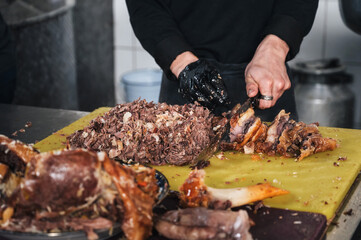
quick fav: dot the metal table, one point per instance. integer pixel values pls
(45, 121)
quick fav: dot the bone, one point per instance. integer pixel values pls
(244, 195)
(195, 193)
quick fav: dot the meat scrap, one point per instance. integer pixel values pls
(283, 136)
(69, 190)
(28, 124)
(149, 133)
(202, 223)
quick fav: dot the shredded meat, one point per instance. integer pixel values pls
(149, 133)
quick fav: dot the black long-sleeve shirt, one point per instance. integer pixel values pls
(228, 31)
(7, 48)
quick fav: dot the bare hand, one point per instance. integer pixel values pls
(181, 61)
(267, 72)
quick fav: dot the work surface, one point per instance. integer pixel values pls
(289, 177)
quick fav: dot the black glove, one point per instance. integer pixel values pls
(201, 82)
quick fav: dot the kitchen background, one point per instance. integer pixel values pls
(329, 38)
(85, 47)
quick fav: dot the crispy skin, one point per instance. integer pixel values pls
(257, 139)
(244, 127)
(260, 134)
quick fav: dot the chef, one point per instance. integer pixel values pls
(220, 52)
(7, 64)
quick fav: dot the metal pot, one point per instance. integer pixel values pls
(322, 93)
(351, 14)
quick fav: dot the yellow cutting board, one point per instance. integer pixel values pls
(318, 183)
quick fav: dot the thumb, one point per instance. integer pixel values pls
(251, 86)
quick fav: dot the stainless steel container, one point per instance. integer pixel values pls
(322, 93)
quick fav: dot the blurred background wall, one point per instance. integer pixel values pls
(94, 45)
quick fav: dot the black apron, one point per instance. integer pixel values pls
(233, 76)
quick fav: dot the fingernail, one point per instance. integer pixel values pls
(250, 91)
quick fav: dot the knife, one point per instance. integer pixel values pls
(223, 128)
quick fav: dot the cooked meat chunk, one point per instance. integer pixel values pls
(274, 131)
(283, 136)
(303, 140)
(244, 127)
(78, 189)
(202, 223)
(15, 154)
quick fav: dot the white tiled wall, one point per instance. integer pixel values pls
(328, 38)
(313, 44)
(129, 54)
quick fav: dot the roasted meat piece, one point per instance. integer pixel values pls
(202, 223)
(149, 133)
(283, 136)
(15, 154)
(244, 127)
(303, 140)
(245, 130)
(274, 131)
(80, 190)
(195, 193)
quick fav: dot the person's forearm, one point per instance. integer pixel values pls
(181, 61)
(272, 43)
(291, 21)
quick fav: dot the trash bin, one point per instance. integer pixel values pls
(142, 83)
(44, 40)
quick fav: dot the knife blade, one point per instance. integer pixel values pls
(223, 128)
